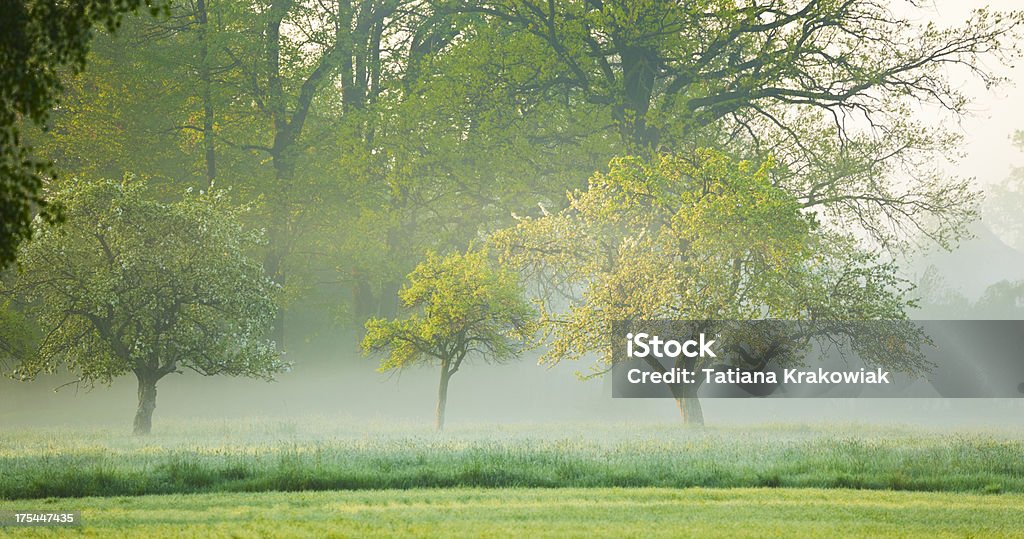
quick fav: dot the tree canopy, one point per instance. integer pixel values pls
(696, 237)
(37, 40)
(377, 130)
(132, 285)
(462, 308)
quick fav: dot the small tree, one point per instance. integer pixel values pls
(462, 307)
(151, 288)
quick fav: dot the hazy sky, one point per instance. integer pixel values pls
(997, 113)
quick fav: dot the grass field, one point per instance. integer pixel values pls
(311, 455)
(643, 512)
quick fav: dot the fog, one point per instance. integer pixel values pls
(337, 383)
(331, 378)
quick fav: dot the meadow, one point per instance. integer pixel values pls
(263, 455)
(643, 512)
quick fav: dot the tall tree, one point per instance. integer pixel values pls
(307, 48)
(660, 65)
(133, 285)
(824, 87)
(465, 142)
(274, 103)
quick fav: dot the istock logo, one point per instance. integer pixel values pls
(643, 345)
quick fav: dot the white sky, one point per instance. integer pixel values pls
(997, 113)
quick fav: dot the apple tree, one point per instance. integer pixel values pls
(134, 285)
(462, 308)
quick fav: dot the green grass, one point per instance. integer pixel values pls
(259, 456)
(642, 512)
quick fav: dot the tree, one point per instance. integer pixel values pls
(37, 39)
(464, 146)
(702, 237)
(156, 82)
(1001, 300)
(307, 47)
(269, 99)
(826, 88)
(377, 129)
(462, 308)
(1003, 203)
(665, 65)
(132, 285)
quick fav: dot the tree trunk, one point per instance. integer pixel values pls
(204, 78)
(279, 227)
(389, 303)
(364, 301)
(442, 397)
(147, 403)
(639, 70)
(688, 403)
(272, 266)
(690, 410)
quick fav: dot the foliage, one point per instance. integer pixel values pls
(376, 130)
(828, 89)
(696, 237)
(462, 306)
(37, 39)
(17, 333)
(666, 66)
(1001, 300)
(135, 285)
(467, 143)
